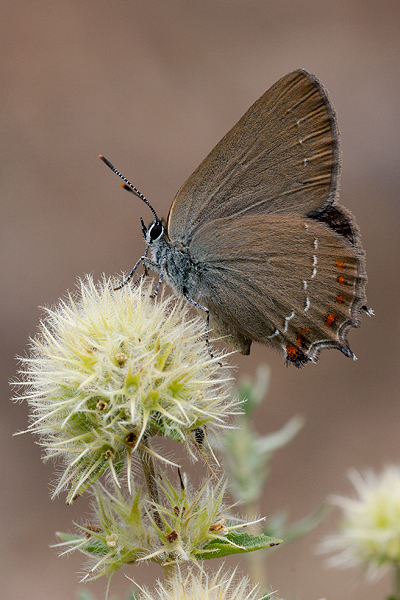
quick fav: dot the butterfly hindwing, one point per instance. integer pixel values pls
(287, 281)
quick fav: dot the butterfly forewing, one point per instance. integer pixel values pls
(282, 156)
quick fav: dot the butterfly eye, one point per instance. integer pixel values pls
(155, 231)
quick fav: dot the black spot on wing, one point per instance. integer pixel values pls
(337, 220)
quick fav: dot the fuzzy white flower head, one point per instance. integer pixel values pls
(370, 527)
(200, 586)
(113, 368)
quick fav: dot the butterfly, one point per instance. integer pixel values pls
(255, 237)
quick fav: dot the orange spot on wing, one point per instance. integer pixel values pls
(340, 299)
(340, 264)
(293, 352)
(296, 356)
(341, 280)
(330, 319)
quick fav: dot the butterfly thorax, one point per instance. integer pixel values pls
(180, 269)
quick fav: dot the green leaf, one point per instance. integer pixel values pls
(270, 443)
(246, 456)
(236, 543)
(90, 469)
(93, 545)
(277, 524)
(90, 478)
(254, 392)
(83, 595)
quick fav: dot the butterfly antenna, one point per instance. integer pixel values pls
(129, 186)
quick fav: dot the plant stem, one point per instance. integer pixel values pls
(255, 560)
(146, 459)
(169, 572)
(151, 482)
(396, 582)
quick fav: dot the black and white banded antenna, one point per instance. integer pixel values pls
(128, 186)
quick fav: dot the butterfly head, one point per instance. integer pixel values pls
(154, 233)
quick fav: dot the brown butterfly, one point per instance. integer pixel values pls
(255, 237)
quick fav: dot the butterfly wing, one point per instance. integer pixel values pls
(288, 281)
(282, 156)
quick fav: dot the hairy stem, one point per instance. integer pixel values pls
(146, 459)
(256, 560)
(169, 572)
(151, 481)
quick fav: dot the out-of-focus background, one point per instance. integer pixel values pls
(154, 85)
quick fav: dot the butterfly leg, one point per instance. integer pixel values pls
(146, 261)
(201, 307)
(160, 278)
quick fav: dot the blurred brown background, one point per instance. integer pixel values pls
(154, 85)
